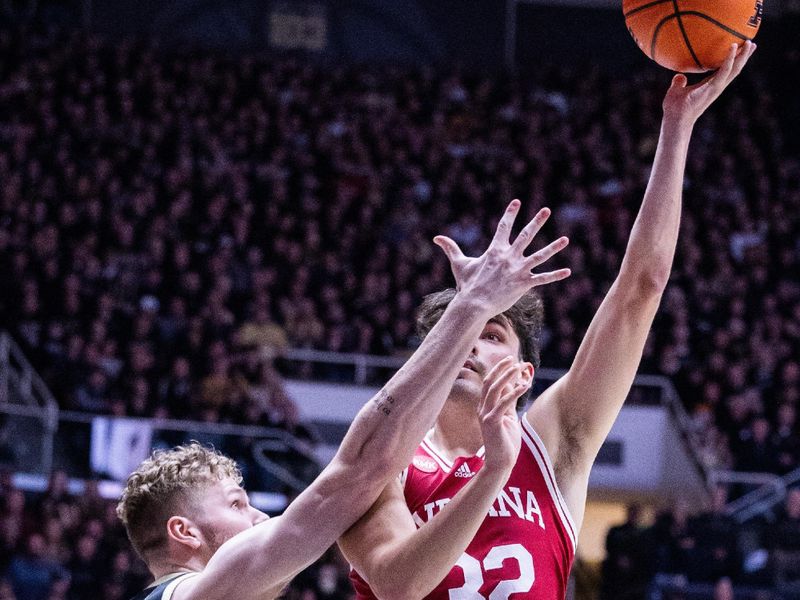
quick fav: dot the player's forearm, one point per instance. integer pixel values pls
(389, 427)
(414, 566)
(651, 248)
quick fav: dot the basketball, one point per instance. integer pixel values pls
(691, 35)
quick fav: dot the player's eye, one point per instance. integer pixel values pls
(235, 504)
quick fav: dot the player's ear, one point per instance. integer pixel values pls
(526, 373)
(184, 531)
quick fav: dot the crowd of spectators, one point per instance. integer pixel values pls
(173, 221)
(170, 222)
(682, 551)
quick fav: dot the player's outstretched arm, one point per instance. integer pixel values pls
(384, 434)
(575, 415)
(402, 562)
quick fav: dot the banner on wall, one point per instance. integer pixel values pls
(118, 445)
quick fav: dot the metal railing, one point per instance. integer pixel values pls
(282, 460)
(647, 389)
(771, 491)
(364, 364)
(37, 437)
(16, 372)
(25, 394)
(361, 363)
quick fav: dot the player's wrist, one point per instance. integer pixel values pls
(497, 468)
(676, 127)
(473, 305)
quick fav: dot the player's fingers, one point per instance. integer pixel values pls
(722, 76)
(538, 279)
(546, 253)
(716, 82)
(531, 229)
(450, 248)
(499, 379)
(679, 81)
(498, 392)
(496, 371)
(509, 401)
(745, 52)
(503, 232)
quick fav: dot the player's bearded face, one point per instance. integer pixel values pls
(497, 341)
(215, 535)
(469, 382)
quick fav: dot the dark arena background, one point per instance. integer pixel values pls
(215, 224)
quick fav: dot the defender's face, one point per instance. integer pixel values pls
(497, 340)
(224, 510)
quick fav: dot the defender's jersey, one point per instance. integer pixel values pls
(163, 588)
(526, 544)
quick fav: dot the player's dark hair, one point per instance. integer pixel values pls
(526, 318)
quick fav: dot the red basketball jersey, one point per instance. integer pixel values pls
(526, 544)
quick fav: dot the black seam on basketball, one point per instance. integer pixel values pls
(733, 32)
(644, 6)
(685, 37)
(655, 34)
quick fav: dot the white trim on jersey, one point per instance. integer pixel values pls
(170, 589)
(444, 464)
(537, 448)
(437, 455)
(403, 477)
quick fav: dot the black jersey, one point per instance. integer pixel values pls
(163, 588)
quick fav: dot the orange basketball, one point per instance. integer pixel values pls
(691, 35)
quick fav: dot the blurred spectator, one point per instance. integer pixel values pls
(785, 541)
(627, 568)
(715, 553)
(262, 333)
(723, 589)
(757, 452)
(785, 439)
(32, 575)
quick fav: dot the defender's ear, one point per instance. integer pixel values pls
(184, 531)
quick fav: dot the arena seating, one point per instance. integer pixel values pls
(172, 221)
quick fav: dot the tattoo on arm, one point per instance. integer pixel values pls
(384, 402)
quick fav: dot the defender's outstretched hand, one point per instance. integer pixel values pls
(688, 102)
(502, 274)
(497, 413)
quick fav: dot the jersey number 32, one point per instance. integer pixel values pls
(473, 573)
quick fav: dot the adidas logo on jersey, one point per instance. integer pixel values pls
(463, 471)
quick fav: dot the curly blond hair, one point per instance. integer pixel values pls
(164, 485)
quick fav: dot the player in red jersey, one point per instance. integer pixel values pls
(525, 545)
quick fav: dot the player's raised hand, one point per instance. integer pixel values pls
(687, 102)
(497, 415)
(503, 273)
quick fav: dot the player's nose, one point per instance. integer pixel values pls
(258, 516)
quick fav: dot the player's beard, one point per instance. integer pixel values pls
(215, 537)
(464, 392)
(468, 388)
